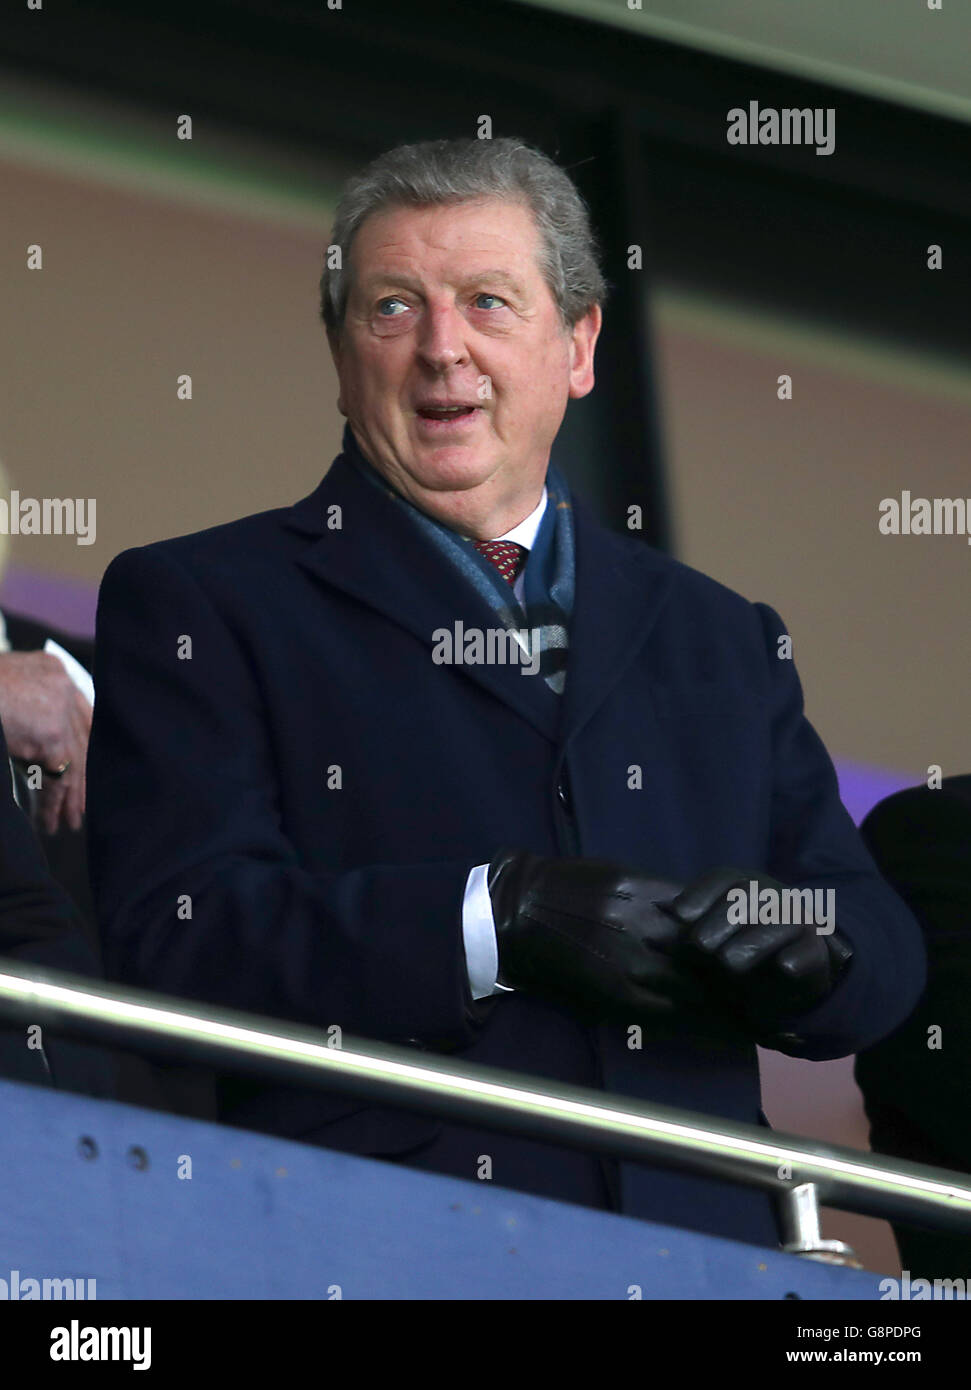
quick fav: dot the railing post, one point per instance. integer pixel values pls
(800, 1221)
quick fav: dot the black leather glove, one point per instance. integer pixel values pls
(764, 971)
(593, 937)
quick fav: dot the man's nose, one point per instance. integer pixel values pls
(441, 339)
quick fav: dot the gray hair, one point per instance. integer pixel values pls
(449, 171)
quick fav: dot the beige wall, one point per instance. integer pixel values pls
(779, 499)
(136, 290)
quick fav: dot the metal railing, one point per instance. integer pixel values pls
(799, 1172)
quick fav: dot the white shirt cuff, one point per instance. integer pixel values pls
(479, 935)
(75, 670)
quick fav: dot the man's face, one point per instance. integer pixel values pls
(447, 306)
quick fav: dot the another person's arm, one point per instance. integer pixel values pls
(39, 927)
(48, 722)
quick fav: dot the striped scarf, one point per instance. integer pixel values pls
(548, 579)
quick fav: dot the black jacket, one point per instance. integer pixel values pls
(66, 851)
(39, 926)
(212, 787)
(916, 1095)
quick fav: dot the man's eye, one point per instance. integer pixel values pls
(392, 300)
(485, 295)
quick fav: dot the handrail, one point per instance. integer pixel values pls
(915, 1194)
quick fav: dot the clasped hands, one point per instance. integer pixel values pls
(612, 944)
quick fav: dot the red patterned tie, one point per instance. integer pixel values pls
(507, 556)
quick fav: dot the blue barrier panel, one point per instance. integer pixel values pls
(154, 1206)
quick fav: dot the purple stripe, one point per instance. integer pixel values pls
(68, 604)
(861, 787)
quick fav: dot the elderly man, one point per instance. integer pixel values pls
(433, 756)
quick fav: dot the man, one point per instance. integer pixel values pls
(46, 698)
(324, 786)
(45, 704)
(916, 1082)
(40, 927)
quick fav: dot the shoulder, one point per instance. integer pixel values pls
(920, 816)
(238, 549)
(690, 595)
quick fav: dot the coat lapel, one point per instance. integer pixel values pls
(380, 558)
(620, 591)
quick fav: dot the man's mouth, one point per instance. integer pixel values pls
(445, 412)
(447, 417)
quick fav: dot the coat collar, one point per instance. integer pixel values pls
(380, 558)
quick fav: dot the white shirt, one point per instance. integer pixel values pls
(478, 923)
(74, 669)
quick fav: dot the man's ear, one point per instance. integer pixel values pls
(333, 342)
(584, 335)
